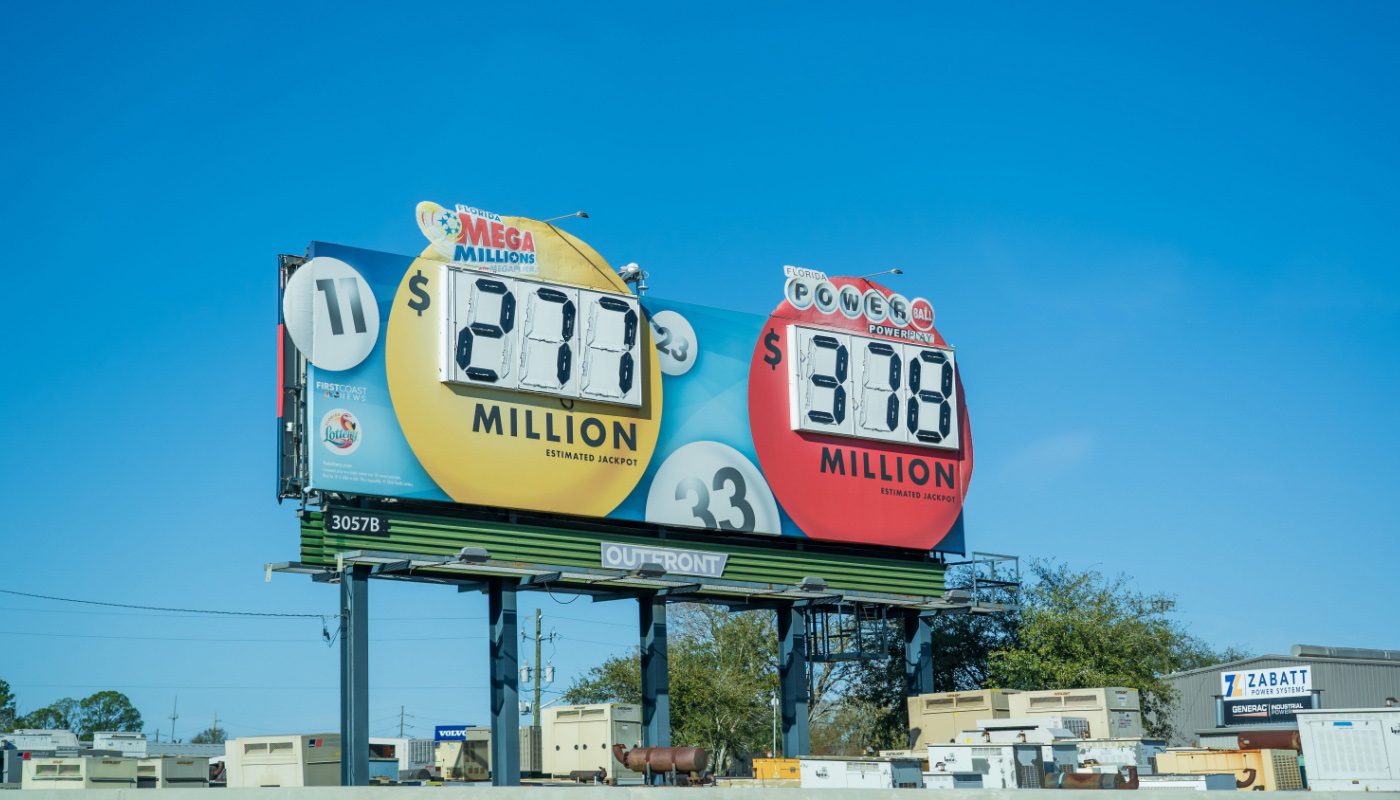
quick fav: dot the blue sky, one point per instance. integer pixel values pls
(1162, 236)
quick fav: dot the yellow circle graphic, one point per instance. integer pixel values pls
(514, 449)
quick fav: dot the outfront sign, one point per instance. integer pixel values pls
(508, 365)
(1266, 683)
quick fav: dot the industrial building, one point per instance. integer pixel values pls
(1334, 678)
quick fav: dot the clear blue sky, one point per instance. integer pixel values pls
(1162, 235)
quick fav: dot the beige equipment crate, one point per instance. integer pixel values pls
(469, 758)
(172, 772)
(310, 759)
(578, 738)
(1256, 770)
(938, 718)
(79, 772)
(1114, 712)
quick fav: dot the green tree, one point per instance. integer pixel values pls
(103, 711)
(723, 670)
(107, 711)
(7, 707)
(1083, 629)
(210, 736)
(59, 715)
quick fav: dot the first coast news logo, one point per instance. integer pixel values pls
(340, 432)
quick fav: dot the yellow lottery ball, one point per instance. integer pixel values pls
(515, 449)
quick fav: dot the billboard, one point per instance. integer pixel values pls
(507, 365)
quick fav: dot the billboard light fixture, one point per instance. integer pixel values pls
(878, 274)
(473, 555)
(647, 569)
(580, 214)
(812, 584)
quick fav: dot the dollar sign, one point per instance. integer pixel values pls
(775, 356)
(420, 296)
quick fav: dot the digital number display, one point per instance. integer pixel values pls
(847, 385)
(529, 336)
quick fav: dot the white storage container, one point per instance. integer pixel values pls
(294, 760)
(80, 772)
(1113, 712)
(37, 739)
(172, 772)
(579, 738)
(1352, 749)
(1025, 730)
(836, 772)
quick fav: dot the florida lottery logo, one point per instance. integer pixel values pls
(340, 432)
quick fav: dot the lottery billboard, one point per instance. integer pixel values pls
(508, 365)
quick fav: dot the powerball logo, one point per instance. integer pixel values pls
(340, 432)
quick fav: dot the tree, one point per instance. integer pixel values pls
(59, 715)
(723, 670)
(7, 707)
(107, 711)
(210, 736)
(962, 645)
(103, 711)
(1082, 629)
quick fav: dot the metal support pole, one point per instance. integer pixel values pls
(792, 680)
(354, 675)
(918, 655)
(505, 684)
(656, 681)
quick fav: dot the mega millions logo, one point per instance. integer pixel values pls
(340, 432)
(478, 238)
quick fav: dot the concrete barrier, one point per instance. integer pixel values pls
(625, 793)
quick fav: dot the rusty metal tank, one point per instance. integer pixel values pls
(663, 759)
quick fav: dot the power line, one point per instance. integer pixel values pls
(162, 608)
(225, 639)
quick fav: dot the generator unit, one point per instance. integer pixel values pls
(1025, 730)
(1356, 749)
(79, 772)
(469, 758)
(36, 739)
(1114, 712)
(1114, 753)
(172, 772)
(308, 759)
(996, 766)
(837, 772)
(1259, 770)
(132, 745)
(938, 718)
(777, 769)
(580, 738)
(411, 754)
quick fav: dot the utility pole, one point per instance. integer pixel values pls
(174, 715)
(539, 671)
(214, 731)
(400, 722)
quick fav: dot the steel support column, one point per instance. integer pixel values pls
(354, 675)
(918, 655)
(505, 683)
(792, 680)
(656, 681)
